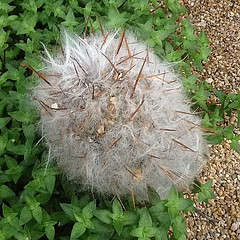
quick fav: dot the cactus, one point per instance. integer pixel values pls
(115, 117)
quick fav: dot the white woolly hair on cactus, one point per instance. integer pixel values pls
(116, 118)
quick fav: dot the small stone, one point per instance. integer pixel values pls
(220, 193)
(209, 80)
(235, 226)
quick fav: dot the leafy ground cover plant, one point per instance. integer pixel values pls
(35, 201)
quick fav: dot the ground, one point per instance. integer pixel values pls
(219, 219)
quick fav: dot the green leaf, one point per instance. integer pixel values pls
(6, 192)
(190, 82)
(203, 41)
(234, 97)
(138, 232)
(26, 47)
(29, 132)
(6, 7)
(188, 29)
(3, 39)
(4, 121)
(30, 200)
(215, 138)
(141, 5)
(3, 142)
(30, 5)
(82, 202)
(196, 186)
(50, 183)
(69, 209)
(221, 96)
(25, 215)
(238, 122)
(182, 237)
(130, 218)
(201, 96)
(173, 194)
(86, 222)
(206, 193)
(17, 149)
(118, 225)
(20, 116)
(103, 215)
(88, 210)
(190, 45)
(158, 207)
(50, 232)
(116, 19)
(235, 143)
(147, 28)
(102, 228)
(15, 171)
(178, 227)
(145, 218)
(204, 52)
(197, 61)
(116, 207)
(70, 19)
(206, 121)
(37, 214)
(159, 35)
(235, 104)
(6, 20)
(215, 116)
(144, 233)
(87, 10)
(150, 232)
(8, 231)
(228, 132)
(12, 73)
(2, 237)
(11, 162)
(77, 230)
(7, 211)
(175, 56)
(172, 203)
(95, 237)
(46, 219)
(27, 25)
(185, 204)
(175, 7)
(153, 196)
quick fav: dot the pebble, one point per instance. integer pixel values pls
(209, 80)
(235, 226)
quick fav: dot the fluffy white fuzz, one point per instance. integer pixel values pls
(116, 119)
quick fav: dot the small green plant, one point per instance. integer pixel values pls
(38, 215)
(35, 200)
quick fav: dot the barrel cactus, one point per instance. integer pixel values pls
(115, 117)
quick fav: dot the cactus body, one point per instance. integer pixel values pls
(116, 118)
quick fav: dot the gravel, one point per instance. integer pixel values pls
(220, 218)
